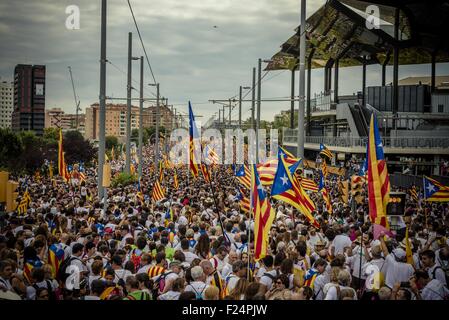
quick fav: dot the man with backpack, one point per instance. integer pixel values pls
(435, 271)
(238, 271)
(270, 274)
(198, 286)
(163, 282)
(38, 276)
(73, 264)
(135, 255)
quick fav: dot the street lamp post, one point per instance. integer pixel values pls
(259, 78)
(102, 97)
(240, 104)
(302, 77)
(141, 120)
(156, 149)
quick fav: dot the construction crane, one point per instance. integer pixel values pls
(77, 102)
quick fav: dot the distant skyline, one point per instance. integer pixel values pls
(199, 50)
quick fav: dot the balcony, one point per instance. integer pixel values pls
(392, 145)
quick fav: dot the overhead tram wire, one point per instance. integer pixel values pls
(133, 80)
(141, 41)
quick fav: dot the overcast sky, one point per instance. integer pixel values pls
(191, 59)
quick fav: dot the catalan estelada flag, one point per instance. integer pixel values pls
(244, 202)
(267, 170)
(435, 191)
(378, 180)
(263, 215)
(211, 155)
(62, 167)
(55, 258)
(286, 189)
(194, 139)
(168, 216)
(323, 190)
(325, 152)
(28, 267)
(243, 175)
(158, 192)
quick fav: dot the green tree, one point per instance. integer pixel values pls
(10, 148)
(111, 141)
(77, 149)
(51, 135)
(34, 152)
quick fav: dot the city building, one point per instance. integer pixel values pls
(6, 103)
(29, 98)
(115, 121)
(57, 118)
(412, 113)
(166, 117)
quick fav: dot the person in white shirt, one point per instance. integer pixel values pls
(396, 268)
(357, 257)
(238, 271)
(75, 259)
(344, 280)
(314, 237)
(435, 271)
(340, 243)
(119, 272)
(145, 263)
(190, 256)
(6, 271)
(219, 260)
(38, 276)
(270, 274)
(321, 279)
(124, 230)
(175, 291)
(169, 276)
(426, 288)
(198, 285)
(227, 269)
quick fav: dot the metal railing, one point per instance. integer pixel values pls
(290, 136)
(322, 102)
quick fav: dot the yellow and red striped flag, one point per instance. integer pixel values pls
(263, 215)
(324, 168)
(161, 172)
(205, 172)
(307, 184)
(378, 180)
(175, 181)
(158, 192)
(62, 167)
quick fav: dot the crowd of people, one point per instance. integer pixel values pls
(197, 244)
